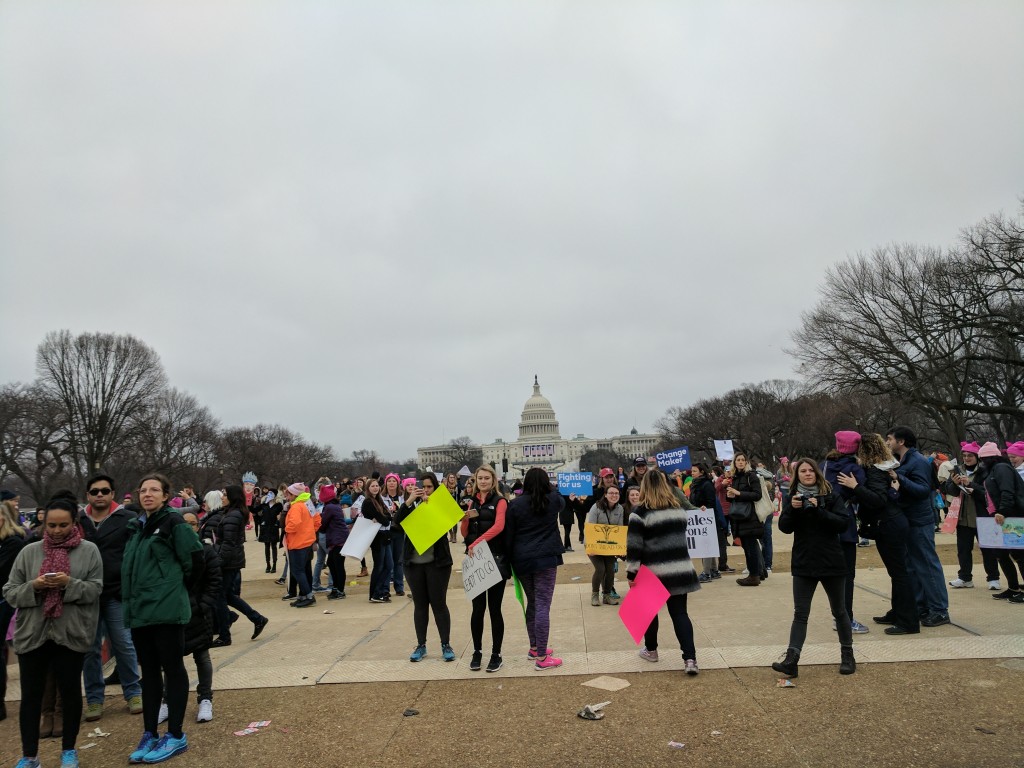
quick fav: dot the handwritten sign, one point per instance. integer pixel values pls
(677, 458)
(580, 483)
(642, 603)
(480, 571)
(604, 540)
(360, 538)
(1010, 535)
(432, 519)
(701, 533)
(952, 516)
(724, 450)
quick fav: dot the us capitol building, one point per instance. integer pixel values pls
(541, 445)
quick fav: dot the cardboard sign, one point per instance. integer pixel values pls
(724, 450)
(580, 483)
(677, 458)
(701, 533)
(642, 603)
(604, 540)
(432, 519)
(480, 571)
(360, 538)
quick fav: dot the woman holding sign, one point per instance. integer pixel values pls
(485, 521)
(607, 511)
(428, 576)
(657, 539)
(374, 509)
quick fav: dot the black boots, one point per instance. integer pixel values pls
(788, 666)
(848, 665)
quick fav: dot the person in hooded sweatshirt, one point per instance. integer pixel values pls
(843, 461)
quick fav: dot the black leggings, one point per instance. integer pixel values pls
(429, 585)
(803, 593)
(270, 552)
(488, 601)
(1006, 559)
(676, 606)
(35, 665)
(567, 542)
(336, 567)
(160, 649)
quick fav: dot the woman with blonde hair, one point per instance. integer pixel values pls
(656, 537)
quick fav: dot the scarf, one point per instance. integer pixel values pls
(57, 559)
(808, 490)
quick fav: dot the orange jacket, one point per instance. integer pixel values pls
(300, 527)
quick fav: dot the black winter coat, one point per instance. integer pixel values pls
(270, 527)
(817, 551)
(877, 499)
(110, 538)
(9, 549)
(702, 493)
(210, 528)
(1006, 489)
(532, 540)
(750, 490)
(203, 600)
(232, 540)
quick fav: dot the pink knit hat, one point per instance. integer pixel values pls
(847, 442)
(1017, 449)
(971, 447)
(296, 489)
(408, 481)
(326, 493)
(988, 449)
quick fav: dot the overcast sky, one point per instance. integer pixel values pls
(375, 222)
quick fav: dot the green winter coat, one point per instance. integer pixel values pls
(160, 559)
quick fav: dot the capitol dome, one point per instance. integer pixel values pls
(538, 420)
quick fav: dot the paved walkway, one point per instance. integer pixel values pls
(353, 640)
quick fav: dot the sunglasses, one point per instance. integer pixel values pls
(100, 491)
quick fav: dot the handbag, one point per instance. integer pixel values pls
(741, 511)
(763, 506)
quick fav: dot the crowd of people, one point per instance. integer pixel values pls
(159, 575)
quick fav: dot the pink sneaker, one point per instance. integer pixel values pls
(690, 666)
(549, 662)
(534, 655)
(648, 655)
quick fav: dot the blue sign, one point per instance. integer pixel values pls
(580, 483)
(677, 458)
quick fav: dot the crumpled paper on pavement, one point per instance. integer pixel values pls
(593, 711)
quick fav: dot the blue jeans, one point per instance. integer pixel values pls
(766, 542)
(398, 558)
(112, 621)
(380, 577)
(299, 559)
(926, 571)
(321, 560)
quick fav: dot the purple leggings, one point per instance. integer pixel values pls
(539, 588)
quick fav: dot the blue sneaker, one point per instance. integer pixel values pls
(166, 748)
(146, 745)
(447, 653)
(28, 762)
(69, 758)
(418, 653)
(858, 629)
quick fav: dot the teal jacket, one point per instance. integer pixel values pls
(161, 559)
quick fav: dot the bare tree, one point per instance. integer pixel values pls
(462, 451)
(33, 446)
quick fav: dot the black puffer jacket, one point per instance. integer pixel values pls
(110, 538)
(232, 540)
(270, 527)
(203, 600)
(750, 490)
(9, 549)
(1006, 489)
(702, 493)
(817, 552)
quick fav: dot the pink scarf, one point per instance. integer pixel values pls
(57, 559)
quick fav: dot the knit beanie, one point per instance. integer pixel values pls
(296, 489)
(326, 493)
(988, 449)
(847, 442)
(1017, 449)
(971, 447)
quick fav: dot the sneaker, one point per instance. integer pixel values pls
(321, 589)
(1016, 597)
(376, 600)
(567, 549)
(336, 595)
(289, 597)
(690, 666)
(867, 542)
(94, 712)
(399, 593)
(447, 653)
(418, 653)
(615, 594)
(858, 628)
(935, 620)
(548, 662)
(646, 655)
(69, 758)
(259, 625)
(1002, 595)
(220, 642)
(495, 663)
(533, 654)
(166, 748)
(716, 575)
(28, 762)
(163, 714)
(609, 600)
(279, 581)
(304, 602)
(595, 599)
(135, 705)
(474, 663)
(727, 569)
(961, 584)
(746, 572)
(146, 745)
(205, 713)
(704, 578)
(994, 585)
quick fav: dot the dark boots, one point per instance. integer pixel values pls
(751, 581)
(848, 665)
(788, 666)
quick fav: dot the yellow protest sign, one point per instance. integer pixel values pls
(432, 519)
(605, 539)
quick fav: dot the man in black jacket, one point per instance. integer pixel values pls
(111, 533)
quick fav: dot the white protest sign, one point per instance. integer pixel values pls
(724, 450)
(480, 571)
(701, 533)
(1009, 535)
(360, 538)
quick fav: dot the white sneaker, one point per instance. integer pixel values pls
(746, 572)
(162, 717)
(961, 584)
(205, 714)
(994, 585)
(769, 570)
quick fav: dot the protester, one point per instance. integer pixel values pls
(966, 484)
(485, 521)
(1005, 498)
(815, 515)
(767, 493)
(204, 597)
(636, 476)
(391, 495)
(300, 528)
(702, 496)
(451, 482)
(373, 508)
(269, 529)
(657, 539)
(608, 511)
(632, 499)
(567, 517)
(428, 574)
(1015, 455)
(112, 529)
(163, 558)
(535, 549)
(55, 586)
(232, 560)
(13, 536)
(334, 528)
(742, 490)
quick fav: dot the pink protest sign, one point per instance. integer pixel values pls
(642, 603)
(952, 516)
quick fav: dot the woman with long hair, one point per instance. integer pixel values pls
(373, 508)
(703, 496)
(535, 549)
(451, 483)
(429, 574)
(485, 521)
(657, 539)
(816, 515)
(607, 511)
(232, 560)
(744, 486)
(392, 497)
